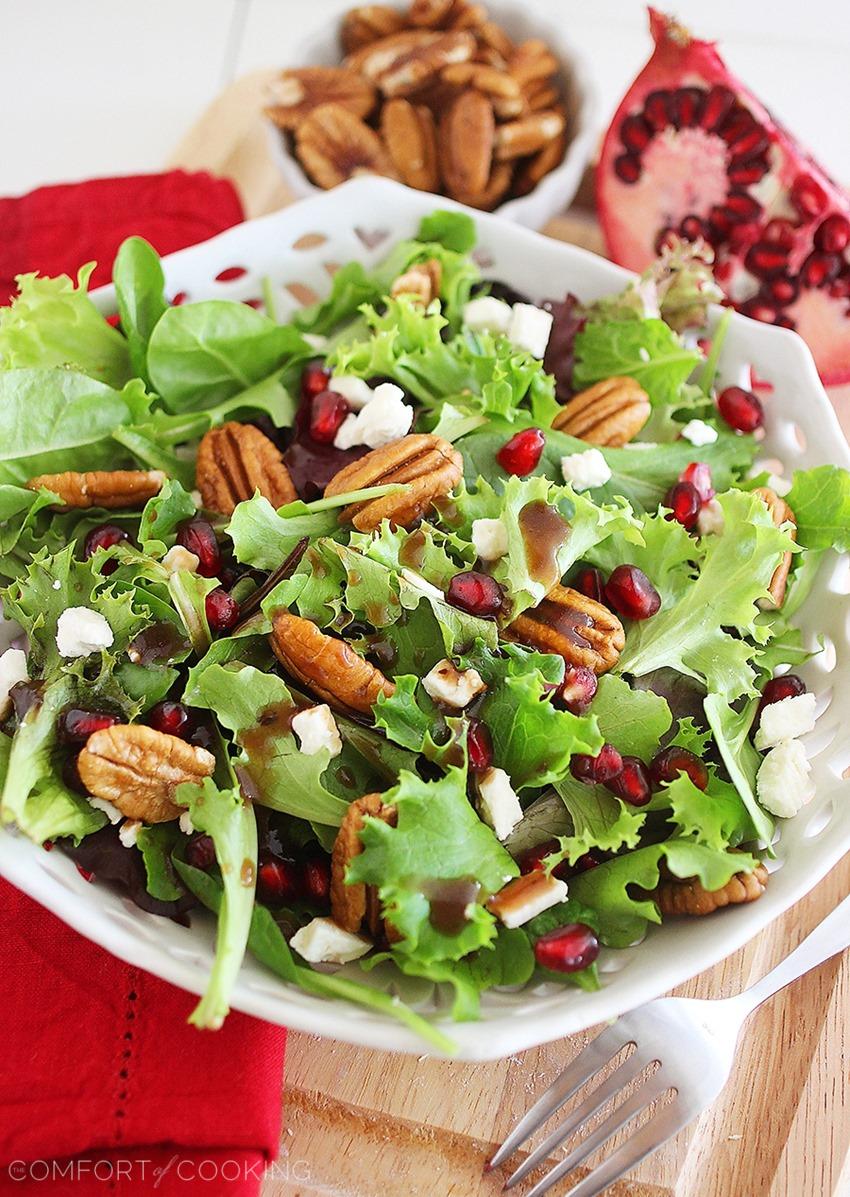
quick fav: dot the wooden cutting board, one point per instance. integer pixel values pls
(362, 1123)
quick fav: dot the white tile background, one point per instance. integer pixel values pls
(109, 86)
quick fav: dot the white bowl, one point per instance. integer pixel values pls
(554, 193)
(361, 220)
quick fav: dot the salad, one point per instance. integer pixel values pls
(443, 632)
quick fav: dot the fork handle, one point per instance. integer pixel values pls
(828, 938)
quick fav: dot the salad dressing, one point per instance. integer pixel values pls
(449, 900)
(161, 642)
(412, 552)
(260, 742)
(567, 621)
(544, 532)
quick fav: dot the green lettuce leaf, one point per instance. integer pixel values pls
(647, 350)
(599, 821)
(717, 817)
(634, 721)
(140, 292)
(156, 845)
(351, 288)
(732, 732)
(454, 230)
(161, 517)
(820, 500)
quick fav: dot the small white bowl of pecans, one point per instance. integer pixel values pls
(486, 105)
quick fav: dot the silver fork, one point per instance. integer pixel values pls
(692, 1045)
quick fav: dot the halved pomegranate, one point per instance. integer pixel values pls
(692, 151)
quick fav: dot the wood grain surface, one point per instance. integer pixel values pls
(363, 1123)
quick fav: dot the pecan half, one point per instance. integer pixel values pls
(102, 488)
(234, 461)
(467, 129)
(540, 94)
(689, 897)
(367, 24)
(537, 167)
(467, 16)
(430, 13)
(574, 626)
(484, 78)
(137, 769)
(422, 279)
(610, 412)
(528, 135)
(781, 514)
(374, 59)
(413, 70)
(429, 466)
(411, 138)
(351, 904)
(327, 665)
(494, 37)
(498, 183)
(295, 93)
(531, 61)
(333, 145)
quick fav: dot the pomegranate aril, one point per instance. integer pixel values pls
(532, 859)
(742, 206)
(476, 593)
(628, 168)
(631, 594)
(327, 413)
(479, 746)
(587, 862)
(316, 879)
(277, 880)
(789, 685)
(171, 718)
(222, 610)
(567, 949)
(76, 724)
(833, 235)
(749, 144)
(657, 109)
(759, 309)
(717, 106)
(742, 410)
(198, 536)
(104, 536)
(596, 770)
(698, 473)
(692, 227)
(685, 504)
(766, 259)
(783, 321)
(666, 766)
(521, 454)
(200, 852)
(737, 123)
(578, 689)
(590, 581)
(820, 268)
(745, 174)
(783, 290)
(780, 232)
(636, 133)
(687, 104)
(632, 783)
(314, 380)
(808, 197)
(840, 287)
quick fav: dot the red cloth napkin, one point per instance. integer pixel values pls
(104, 1089)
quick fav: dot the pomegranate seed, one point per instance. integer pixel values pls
(783, 321)
(635, 133)
(314, 380)
(277, 880)
(698, 473)
(76, 724)
(104, 536)
(666, 766)
(521, 454)
(783, 290)
(200, 852)
(532, 859)
(759, 309)
(807, 196)
(780, 232)
(657, 109)
(627, 167)
(834, 234)
(840, 288)
(222, 610)
(685, 504)
(578, 688)
(198, 536)
(476, 593)
(631, 594)
(170, 717)
(632, 784)
(718, 104)
(766, 259)
(590, 581)
(687, 104)
(742, 410)
(749, 144)
(778, 688)
(327, 413)
(692, 227)
(316, 879)
(567, 949)
(479, 746)
(720, 220)
(587, 862)
(596, 770)
(820, 268)
(745, 174)
(742, 206)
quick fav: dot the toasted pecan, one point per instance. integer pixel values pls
(234, 461)
(138, 769)
(411, 71)
(422, 279)
(411, 138)
(497, 185)
(531, 61)
(484, 78)
(334, 145)
(102, 488)
(528, 135)
(327, 665)
(296, 93)
(430, 13)
(535, 168)
(574, 626)
(781, 514)
(351, 904)
(467, 129)
(367, 24)
(690, 897)
(429, 467)
(610, 412)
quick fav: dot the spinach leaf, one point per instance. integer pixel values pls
(140, 291)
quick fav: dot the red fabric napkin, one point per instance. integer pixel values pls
(104, 1088)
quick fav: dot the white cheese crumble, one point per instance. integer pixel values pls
(489, 539)
(530, 328)
(356, 391)
(699, 433)
(455, 687)
(80, 631)
(178, 558)
(786, 720)
(585, 470)
(112, 813)
(384, 419)
(487, 314)
(498, 804)
(128, 832)
(323, 942)
(526, 897)
(13, 669)
(710, 521)
(316, 729)
(783, 783)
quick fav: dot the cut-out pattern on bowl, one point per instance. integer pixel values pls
(669, 955)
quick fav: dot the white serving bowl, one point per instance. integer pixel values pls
(361, 220)
(555, 192)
